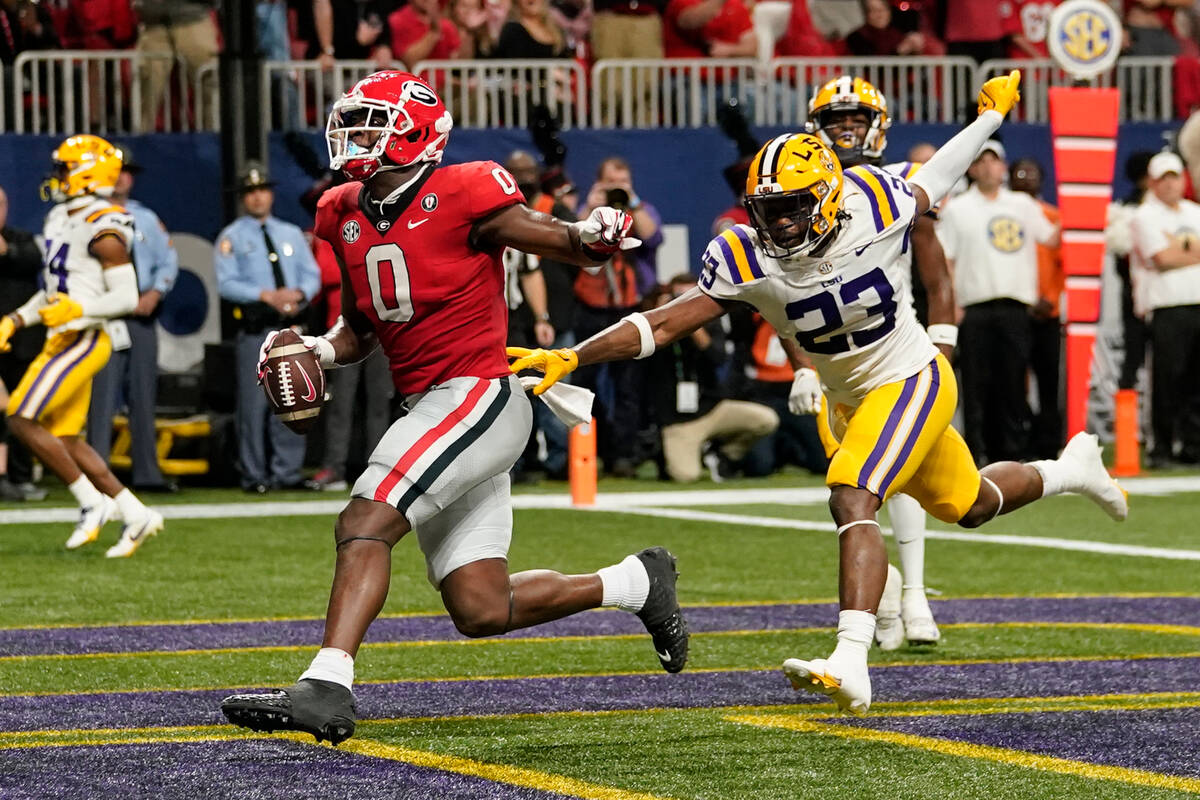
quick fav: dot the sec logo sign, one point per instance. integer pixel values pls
(1084, 37)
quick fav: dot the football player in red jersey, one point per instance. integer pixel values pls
(419, 246)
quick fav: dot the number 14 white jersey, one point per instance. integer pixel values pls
(850, 308)
(67, 236)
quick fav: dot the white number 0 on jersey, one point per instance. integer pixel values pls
(387, 272)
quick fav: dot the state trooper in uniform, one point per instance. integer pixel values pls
(267, 276)
(132, 371)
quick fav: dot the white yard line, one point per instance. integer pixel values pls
(1054, 543)
(672, 504)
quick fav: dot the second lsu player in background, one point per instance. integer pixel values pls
(89, 279)
(851, 117)
(820, 263)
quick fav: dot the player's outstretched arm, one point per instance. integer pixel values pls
(587, 243)
(636, 336)
(939, 174)
(935, 276)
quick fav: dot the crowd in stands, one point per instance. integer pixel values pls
(410, 31)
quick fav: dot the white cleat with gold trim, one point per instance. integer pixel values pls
(848, 685)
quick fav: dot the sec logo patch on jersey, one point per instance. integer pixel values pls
(1006, 234)
(351, 231)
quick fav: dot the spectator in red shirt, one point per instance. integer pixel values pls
(471, 19)
(421, 32)
(716, 28)
(802, 37)
(973, 29)
(1025, 22)
(880, 37)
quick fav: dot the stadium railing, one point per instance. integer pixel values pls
(297, 94)
(673, 92)
(502, 93)
(65, 91)
(1144, 81)
(923, 90)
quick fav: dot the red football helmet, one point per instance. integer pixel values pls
(409, 122)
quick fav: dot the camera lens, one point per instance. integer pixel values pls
(617, 198)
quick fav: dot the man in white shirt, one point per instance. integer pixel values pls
(990, 235)
(1166, 273)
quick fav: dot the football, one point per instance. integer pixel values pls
(294, 382)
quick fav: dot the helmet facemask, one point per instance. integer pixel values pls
(362, 118)
(847, 130)
(789, 223)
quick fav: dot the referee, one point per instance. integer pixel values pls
(990, 235)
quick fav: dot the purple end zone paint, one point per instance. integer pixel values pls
(259, 769)
(1157, 740)
(617, 692)
(300, 633)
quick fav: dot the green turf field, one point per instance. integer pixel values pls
(1068, 671)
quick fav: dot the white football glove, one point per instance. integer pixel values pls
(606, 230)
(322, 347)
(805, 396)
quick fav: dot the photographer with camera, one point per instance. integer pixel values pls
(607, 297)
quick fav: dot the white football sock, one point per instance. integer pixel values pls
(85, 493)
(333, 665)
(131, 508)
(1056, 476)
(856, 631)
(908, 526)
(626, 585)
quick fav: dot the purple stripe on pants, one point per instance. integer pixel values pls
(45, 371)
(915, 433)
(58, 382)
(889, 430)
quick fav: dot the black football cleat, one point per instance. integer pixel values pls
(322, 708)
(661, 614)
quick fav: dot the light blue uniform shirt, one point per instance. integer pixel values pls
(243, 269)
(154, 256)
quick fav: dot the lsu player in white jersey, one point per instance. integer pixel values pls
(88, 279)
(820, 263)
(851, 117)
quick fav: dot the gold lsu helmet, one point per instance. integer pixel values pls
(794, 194)
(83, 164)
(827, 108)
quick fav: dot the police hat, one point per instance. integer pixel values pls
(128, 162)
(253, 176)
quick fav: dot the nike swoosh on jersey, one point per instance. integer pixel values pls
(412, 224)
(858, 251)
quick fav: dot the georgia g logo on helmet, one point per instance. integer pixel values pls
(388, 120)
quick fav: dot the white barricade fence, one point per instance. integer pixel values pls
(1144, 81)
(673, 92)
(296, 95)
(503, 93)
(108, 92)
(917, 90)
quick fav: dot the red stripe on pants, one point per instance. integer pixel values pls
(425, 442)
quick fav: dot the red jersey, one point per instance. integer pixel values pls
(435, 301)
(727, 26)
(1030, 18)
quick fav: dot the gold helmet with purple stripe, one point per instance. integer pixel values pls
(794, 194)
(851, 116)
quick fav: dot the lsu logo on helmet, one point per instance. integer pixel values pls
(794, 194)
(830, 117)
(83, 164)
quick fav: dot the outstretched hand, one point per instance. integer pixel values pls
(1000, 93)
(606, 230)
(554, 363)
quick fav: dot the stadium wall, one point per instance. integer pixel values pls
(678, 170)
